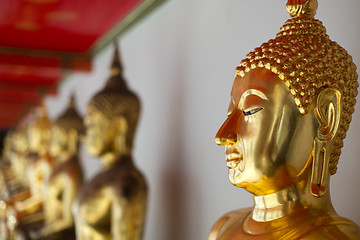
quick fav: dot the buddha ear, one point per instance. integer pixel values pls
(328, 114)
(73, 138)
(121, 126)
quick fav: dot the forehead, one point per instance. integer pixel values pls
(260, 79)
(93, 112)
(58, 129)
(94, 115)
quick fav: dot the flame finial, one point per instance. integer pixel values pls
(302, 8)
(71, 103)
(116, 67)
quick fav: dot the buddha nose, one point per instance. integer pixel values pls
(228, 132)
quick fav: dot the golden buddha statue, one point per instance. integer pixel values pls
(26, 214)
(14, 186)
(15, 151)
(19, 153)
(13, 164)
(6, 176)
(291, 105)
(41, 164)
(7, 171)
(66, 178)
(112, 205)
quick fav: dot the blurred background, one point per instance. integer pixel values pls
(180, 60)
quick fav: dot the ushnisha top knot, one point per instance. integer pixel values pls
(40, 118)
(70, 118)
(116, 80)
(302, 8)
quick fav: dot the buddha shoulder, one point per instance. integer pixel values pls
(229, 224)
(127, 181)
(121, 180)
(233, 226)
(336, 228)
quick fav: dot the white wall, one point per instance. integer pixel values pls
(181, 62)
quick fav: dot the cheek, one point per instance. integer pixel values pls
(90, 138)
(254, 128)
(259, 137)
(96, 137)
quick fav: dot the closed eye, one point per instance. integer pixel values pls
(252, 111)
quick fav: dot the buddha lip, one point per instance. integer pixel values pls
(233, 157)
(235, 163)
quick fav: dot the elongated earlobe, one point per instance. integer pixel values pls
(121, 134)
(328, 113)
(73, 137)
(320, 168)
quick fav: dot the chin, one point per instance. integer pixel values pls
(241, 184)
(93, 152)
(236, 179)
(233, 178)
(92, 148)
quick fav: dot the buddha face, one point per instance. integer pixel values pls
(59, 141)
(39, 138)
(20, 142)
(99, 132)
(267, 141)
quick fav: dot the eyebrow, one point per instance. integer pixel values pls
(248, 93)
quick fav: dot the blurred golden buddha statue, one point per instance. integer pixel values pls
(26, 214)
(14, 162)
(291, 105)
(112, 205)
(41, 164)
(9, 182)
(15, 183)
(15, 186)
(19, 153)
(66, 179)
(8, 176)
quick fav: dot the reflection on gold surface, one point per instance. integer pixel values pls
(112, 204)
(291, 105)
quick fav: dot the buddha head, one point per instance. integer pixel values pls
(291, 105)
(112, 116)
(8, 146)
(19, 148)
(19, 138)
(38, 131)
(66, 131)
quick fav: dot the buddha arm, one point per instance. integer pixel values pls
(67, 187)
(7, 204)
(28, 206)
(228, 224)
(69, 195)
(19, 196)
(128, 218)
(39, 175)
(215, 231)
(10, 180)
(121, 219)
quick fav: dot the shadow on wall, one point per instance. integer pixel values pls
(174, 197)
(173, 177)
